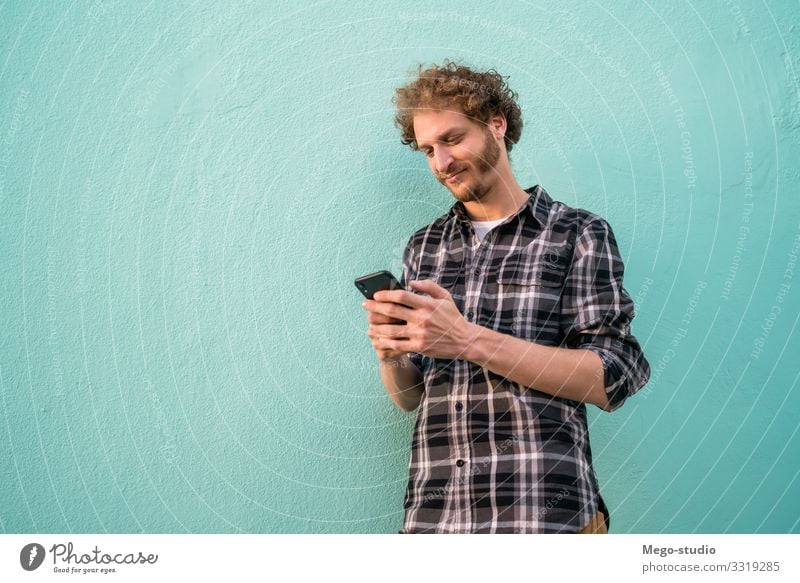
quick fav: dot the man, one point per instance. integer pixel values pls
(519, 320)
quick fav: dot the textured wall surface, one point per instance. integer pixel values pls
(187, 193)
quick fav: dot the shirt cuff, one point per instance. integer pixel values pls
(619, 379)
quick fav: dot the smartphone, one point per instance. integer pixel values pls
(380, 280)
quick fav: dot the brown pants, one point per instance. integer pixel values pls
(597, 525)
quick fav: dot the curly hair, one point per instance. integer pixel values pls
(479, 95)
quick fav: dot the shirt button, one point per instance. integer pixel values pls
(460, 463)
(477, 271)
(459, 406)
(470, 315)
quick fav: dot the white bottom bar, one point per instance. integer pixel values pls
(418, 558)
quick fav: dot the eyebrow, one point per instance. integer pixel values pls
(443, 136)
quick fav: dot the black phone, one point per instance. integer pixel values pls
(380, 280)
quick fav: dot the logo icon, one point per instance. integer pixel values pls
(31, 556)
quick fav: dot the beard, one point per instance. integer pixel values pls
(485, 162)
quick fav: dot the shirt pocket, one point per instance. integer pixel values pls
(529, 289)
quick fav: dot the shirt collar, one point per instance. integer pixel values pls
(537, 205)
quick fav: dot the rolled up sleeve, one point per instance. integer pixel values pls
(597, 312)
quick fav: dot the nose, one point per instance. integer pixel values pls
(442, 160)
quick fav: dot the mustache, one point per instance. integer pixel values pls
(444, 175)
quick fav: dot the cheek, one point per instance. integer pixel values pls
(466, 154)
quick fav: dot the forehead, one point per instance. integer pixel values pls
(431, 125)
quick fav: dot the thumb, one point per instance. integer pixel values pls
(431, 288)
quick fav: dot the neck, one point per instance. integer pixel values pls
(504, 197)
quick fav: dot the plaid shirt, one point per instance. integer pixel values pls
(489, 455)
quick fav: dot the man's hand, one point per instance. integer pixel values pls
(434, 326)
(375, 318)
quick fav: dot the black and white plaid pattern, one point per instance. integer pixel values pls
(488, 455)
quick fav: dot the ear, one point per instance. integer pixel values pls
(497, 125)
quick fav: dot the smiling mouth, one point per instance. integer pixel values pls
(450, 177)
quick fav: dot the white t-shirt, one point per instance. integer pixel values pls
(483, 227)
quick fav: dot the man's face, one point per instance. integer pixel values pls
(461, 153)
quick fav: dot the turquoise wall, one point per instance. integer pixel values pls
(187, 194)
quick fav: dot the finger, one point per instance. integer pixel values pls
(390, 330)
(374, 334)
(374, 318)
(400, 345)
(431, 288)
(397, 344)
(384, 354)
(390, 309)
(400, 296)
(380, 346)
